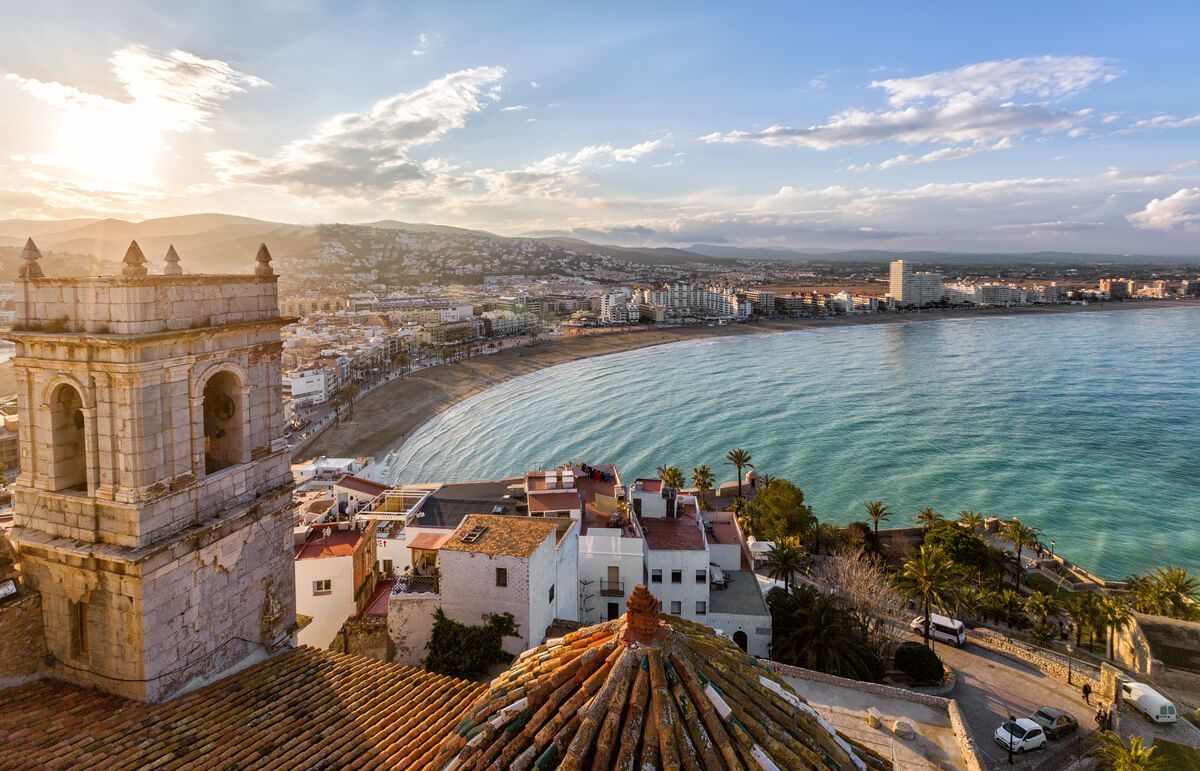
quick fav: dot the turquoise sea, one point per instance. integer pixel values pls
(1086, 425)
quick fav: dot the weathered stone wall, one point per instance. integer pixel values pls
(410, 626)
(367, 636)
(143, 305)
(22, 647)
(1053, 665)
(966, 745)
(195, 605)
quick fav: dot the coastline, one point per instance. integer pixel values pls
(389, 415)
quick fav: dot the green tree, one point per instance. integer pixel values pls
(764, 481)
(972, 520)
(1021, 535)
(968, 551)
(1041, 606)
(1115, 615)
(739, 459)
(459, 650)
(878, 512)
(927, 518)
(783, 562)
(702, 480)
(672, 477)
(1115, 756)
(929, 578)
(1172, 592)
(781, 512)
(812, 630)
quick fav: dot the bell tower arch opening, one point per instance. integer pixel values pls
(68, 440)
(224, 433)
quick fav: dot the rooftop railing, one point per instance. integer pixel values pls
(411, 584)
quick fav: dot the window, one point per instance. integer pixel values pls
(324, 586)
(676, 608)
(614, 611)
(501, 576)
(701, 607)
(702, 576)
(222, 422)
(68, 469)
(677, 576)
(551, 592)
(656, 576)
(79, 636)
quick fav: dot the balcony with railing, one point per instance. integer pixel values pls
(612, 588)
(413, 584)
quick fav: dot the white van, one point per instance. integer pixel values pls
(943, 629)
(1150, 702)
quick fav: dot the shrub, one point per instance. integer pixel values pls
(459, 650)
(919, 663)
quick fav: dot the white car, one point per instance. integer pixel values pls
(942, 628)
(1020, 735)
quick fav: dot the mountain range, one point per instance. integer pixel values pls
(227, 243)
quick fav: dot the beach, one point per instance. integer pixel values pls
(387, 416)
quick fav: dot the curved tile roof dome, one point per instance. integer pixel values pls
(636, 692)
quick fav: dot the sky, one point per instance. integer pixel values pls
(1013, 127)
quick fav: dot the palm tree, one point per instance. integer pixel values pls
(764, 481)
(702, 479)
(739, 459)
(1021, 535)
(972, 520)
(1076, 606)
(1115, 615)
(813, 630)
(783, 562)
(1170, 592)
(672, 477)
(928, 518)
(878, 512)
(1040, 605)
(929, 577)
(1115, 756)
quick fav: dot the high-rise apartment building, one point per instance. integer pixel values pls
(914, 288)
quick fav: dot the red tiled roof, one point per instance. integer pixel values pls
(430, 541)
(651, 485)
(562, 500)
(360, 485)
(377, 604)
(338, 543)
(304, 708)
(683, 698)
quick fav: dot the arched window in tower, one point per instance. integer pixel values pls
(223, 434)
(68, 451)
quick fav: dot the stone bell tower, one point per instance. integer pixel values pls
(152, 504)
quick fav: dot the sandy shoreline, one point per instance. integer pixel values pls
(387, 416)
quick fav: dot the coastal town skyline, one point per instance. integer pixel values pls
(610, 127)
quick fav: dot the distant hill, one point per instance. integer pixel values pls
(645, 254)
(933, 257)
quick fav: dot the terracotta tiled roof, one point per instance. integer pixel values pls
(511, 536)
(429, 541)
(339, 543)
(301, 709)
(360, 485)
(680, 698)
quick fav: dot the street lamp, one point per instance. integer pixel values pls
(1012, 719)
(1070, 650)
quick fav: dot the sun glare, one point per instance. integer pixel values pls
(109, 146)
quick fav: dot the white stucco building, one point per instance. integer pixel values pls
(913, 288)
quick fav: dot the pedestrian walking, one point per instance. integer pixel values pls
(1087, 693)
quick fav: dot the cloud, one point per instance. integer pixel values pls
(534, 84)
(817, 83)
(514, 108)
(1162, 122)
(972, 105)
(173, 93)
(354, 153)
(1179, 211)
(423, 44)
(632, 154)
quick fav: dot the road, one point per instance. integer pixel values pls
(991, 687)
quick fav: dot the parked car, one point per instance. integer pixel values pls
(943, 629)
(1149, 702)
(1055, 722)
(1020, 735)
